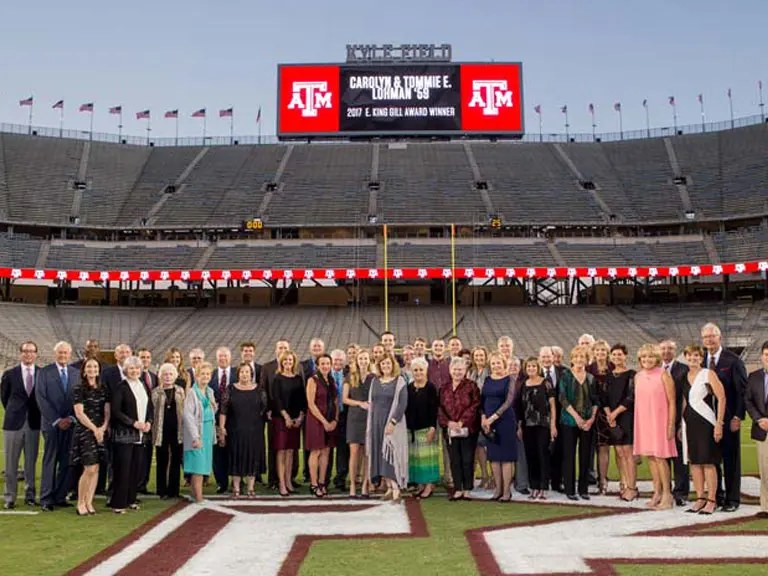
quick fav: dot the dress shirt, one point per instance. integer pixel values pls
(339, 378)
(716, 357)
(28, 373)
(765, 386)
(222, 372)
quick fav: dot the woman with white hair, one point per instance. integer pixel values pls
(421, 418)
(167, 435)
(132, 417)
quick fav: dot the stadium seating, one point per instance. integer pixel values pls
(18, 251)
(121, 256)
(257, 255)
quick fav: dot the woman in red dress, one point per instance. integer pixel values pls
(320, 427)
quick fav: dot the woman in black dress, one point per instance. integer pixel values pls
(167, 437)
(600, 368)
(242, 423)
(702, 431)
(92, 413)
(355, 395)
(290, 407)
(618, 402)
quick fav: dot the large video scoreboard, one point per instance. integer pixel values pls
(400, 99)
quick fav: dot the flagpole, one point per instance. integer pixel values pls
(259, 123)
(647, 120)
(90, 137)
(205, 120)
(61, 121)
(730, 106)
(232, 128)
(541, 134)
(567, 135)
(703, 117)
(177, 129)
(760, 90)
(148, 128)
(674, 115)
(31, 106)
(120, 126)
(621, 124)
(592, 112)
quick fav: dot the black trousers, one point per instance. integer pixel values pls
(339, 455)
(168, 472)
(221, 466)
(461, 452)
(536, 442)
(556, 460)
(730, 469)
(146, 464)
(126, 465)
(571, 437)
(681, 487)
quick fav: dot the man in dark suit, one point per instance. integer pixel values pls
(149, 380)
(733, 374)
(308, 368)
(111, 376)
(341, 452)
(53, 391)
(681, 486)
(553, 374)
(756, 401)
(266, 378)
(92, 350)
(223, 377)
(21, 425)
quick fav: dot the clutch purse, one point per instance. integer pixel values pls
(458, 433)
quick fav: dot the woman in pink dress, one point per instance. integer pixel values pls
(655, 422)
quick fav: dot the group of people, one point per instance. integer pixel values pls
(381, 419)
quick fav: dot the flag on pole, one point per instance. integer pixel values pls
(617, 106)
(701, 99)
(199, 113)
(226, 113)
(59, 105)
(116, 110)
(645, 103)
(144, 114)
(86, 107)
(760, 84)
(172, 114)
(591, 108)
(258, 115)
(564, 109)
(671, 100)
(27, 101)
(537, 109)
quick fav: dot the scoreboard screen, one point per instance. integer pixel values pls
(409, 99)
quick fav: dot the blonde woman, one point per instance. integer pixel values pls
(289, 411)
(478, 372)
(199, 415)
(601, 368)
(655, 422)
(357, 387)
(386, 440)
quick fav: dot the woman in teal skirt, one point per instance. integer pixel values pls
(199, 434)
(421, 417)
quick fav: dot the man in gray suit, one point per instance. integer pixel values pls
(21, 425)
(53, 391)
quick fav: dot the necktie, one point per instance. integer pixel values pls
(668, 368)
(712, 365)
(148, 381)
(29, 382)
(548, 376)
(339, 396)
(65, 380)
(223, 381)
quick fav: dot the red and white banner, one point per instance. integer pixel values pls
(610, 273)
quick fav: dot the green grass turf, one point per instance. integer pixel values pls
(53, 543)
(691, 570)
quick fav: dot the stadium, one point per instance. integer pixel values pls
(394, 198)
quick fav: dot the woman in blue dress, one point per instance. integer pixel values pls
(199, 414)
(499, 425)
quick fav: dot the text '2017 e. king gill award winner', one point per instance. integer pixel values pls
(400, 99)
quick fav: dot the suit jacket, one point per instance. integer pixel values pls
(733, 374)
(54, 403)
(152, 380)
(111, 377)
(755, 402)
(679, 373)
(221, 395)
(267, 377)
(306, 369)
(125, 414)
(19, 406)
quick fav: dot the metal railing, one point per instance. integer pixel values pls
(660, 132)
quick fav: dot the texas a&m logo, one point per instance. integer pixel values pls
(309, 97)
(490, 95)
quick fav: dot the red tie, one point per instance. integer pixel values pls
(223, 381)
(147, 381)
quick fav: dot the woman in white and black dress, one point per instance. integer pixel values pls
(242, 423)
(702, 428)
(132, 417)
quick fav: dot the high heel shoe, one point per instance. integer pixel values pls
(81, 513)
(707, 512)
(693, 509)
